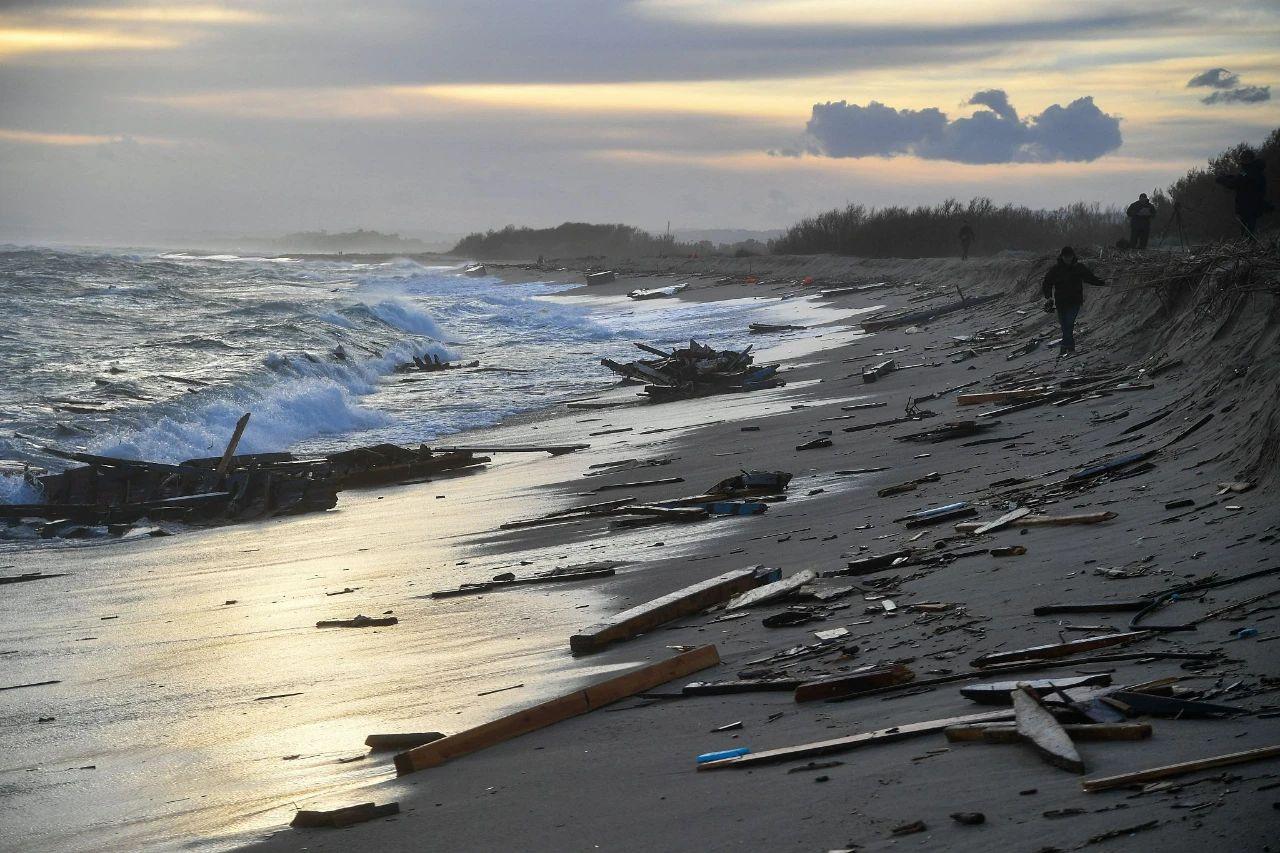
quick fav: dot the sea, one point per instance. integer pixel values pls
(155, 355)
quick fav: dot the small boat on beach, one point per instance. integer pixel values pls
(601, 277)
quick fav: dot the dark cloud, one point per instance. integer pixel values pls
(1077, 132)
(1239, 95)
(1214, 78)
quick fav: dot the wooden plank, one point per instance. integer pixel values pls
(1000, 396)
(492, 586)
(1044, 733)
(645, 617)
(839, 685)
(1061, 650)
(771, 591)
(1007, 518)
(225, 462)
(554, 710)
(1168, 771)
(747, 685)
(338, 818)
(844, 744)
(401, 740)
(553, 449)
(662, 482)
(1044, 521)
(999, 692)
(1088, 732)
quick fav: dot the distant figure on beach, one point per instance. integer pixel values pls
(1064, 289)
(1250, 186)
(966, 237)
(1140, 214)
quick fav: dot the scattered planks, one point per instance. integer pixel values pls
(1042, 521)
(1061, 650)
(1039, 729)
(845, 683)
(844, 744)
(553, 711)
(1000, 692)
(645, 617)
(338, 818)
(1168, 771)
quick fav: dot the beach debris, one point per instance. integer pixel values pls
(1006, 519)
(771, 592)
(728, 727)
(658, 292)
(1236, 487)
(908, 486)
(950, 430)
(601, 277)
(1039, 729)
(873, 372)
(403, 740)
(1043, 520)
(1000, 396)
(745, 685)
(29, 576)
(815, 444)
(1009, 551)
(908, 318)
(553, 449)
(500, 689)
(338, 818)
(1061, 650)
(552, 711)
(850, 742)
(769, 328)
(999, 692)
(359, 622)
(722, 754)
(566, 575)
(998, 733)
(1122, 606)
(909, 828)
(664, 481)
(938, 514)
(695, 371)
(969, 818)
(868, 678)
(1169, 771)
(683, 602)
(476, 270)
(871, 565)
(431, 364)
(1132, 703)
(276, 696)
(643, 515)
(31, 684)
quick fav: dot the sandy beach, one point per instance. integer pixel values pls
(226, 614)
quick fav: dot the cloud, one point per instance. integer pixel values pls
(1077, 132)
(1240, 95)
(1214, 78)
(1229, 89)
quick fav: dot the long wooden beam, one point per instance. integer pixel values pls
(651, 614)
(554, 710)
(1168, 771)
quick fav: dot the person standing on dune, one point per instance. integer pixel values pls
(1250, 187)
(1140, 214)
(966, 238)
(1064, 289)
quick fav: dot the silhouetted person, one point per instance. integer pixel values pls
(1140, 213)
(1250, 186)
(966, 238)
(1064, 288)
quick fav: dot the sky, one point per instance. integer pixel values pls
(137, 122)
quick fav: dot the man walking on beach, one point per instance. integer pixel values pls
(1064, 288)
(966, 237)
(1250, 186)
(1140, 214)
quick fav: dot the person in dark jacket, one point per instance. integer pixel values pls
(1140, 214)
(966, 238)
(1064, 288)
(1250, 186)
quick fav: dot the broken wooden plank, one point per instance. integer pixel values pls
(867, 679)
(338, 818)
(844, 744)
(1061, 650)
(1008, 732)
(1000, 396)
(745, 685)
(553, 449)
(639, 483)
(1122, 606)
(691, 599)
(870, 565)
(225, 462)
(1007, 518)
(1169, 771)
(358, 622)
(998, 692)
(554, 710)
(1132, 702)
(29, 576)
(31, 684)
(1044, 521)
(771, 591)
(1043, 732)
(401, 740)
(491, 586)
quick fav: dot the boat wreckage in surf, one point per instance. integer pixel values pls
(695, 371)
